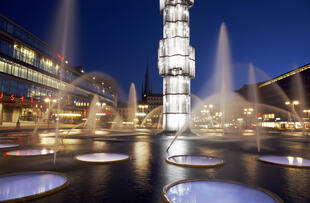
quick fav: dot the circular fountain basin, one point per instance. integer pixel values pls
(102, 158)
(215, 191)
(26, 186)
(5, 146)
(291, 161)
(30, 152)
(194, 161)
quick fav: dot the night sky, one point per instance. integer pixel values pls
(118, 37)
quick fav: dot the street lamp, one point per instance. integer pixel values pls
(293, 104)
(247, 112)
(49, 101)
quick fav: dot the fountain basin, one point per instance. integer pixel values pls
(102, 158)
(26, 186)
(5, 146)
(215, 191)
(30, 152)
(194, 161)
(291, 161)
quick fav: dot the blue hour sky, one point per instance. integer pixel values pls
(119, 37)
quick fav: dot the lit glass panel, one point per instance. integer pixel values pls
(176, 63)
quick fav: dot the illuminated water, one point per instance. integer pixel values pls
(254, 97)
(286, 160)
(216, 192)
(93, 110)
(102, 157)
(132, 103)
(4, 146)
(143, 177)
(30, 152)
(191, 160)
(29, 184)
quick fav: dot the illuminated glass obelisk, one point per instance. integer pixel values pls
(176, 64)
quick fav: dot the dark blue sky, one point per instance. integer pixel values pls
(117, 37)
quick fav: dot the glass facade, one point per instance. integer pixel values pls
(23, 72)
(26, 37)
(20, 89)
(47, 61)
(31, 71)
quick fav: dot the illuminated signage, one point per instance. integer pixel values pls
(61, 57)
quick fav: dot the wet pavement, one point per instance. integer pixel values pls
(142, 178)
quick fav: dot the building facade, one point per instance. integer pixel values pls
(153, 100)
(151, 105)
(289, 91)
(33, 75)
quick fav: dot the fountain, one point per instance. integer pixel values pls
(132, 105)
(30, 152)
(204, 190)
(219, 111)
(117, 122)
(290, 161)
(155, 112)
(226, 106)
(94, 109)
(68, 4)
(42, 120)
(194, 161)
(31, 185)
(223, 83)
(5, 146)
(254, 97)
(102, 158)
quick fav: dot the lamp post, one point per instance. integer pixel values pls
(207, 113)
(293, 104)
(247, 112)
(49, 101)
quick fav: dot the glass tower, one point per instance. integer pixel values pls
(176, 64)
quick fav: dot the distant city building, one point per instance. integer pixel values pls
(32, 74)
(289, 91)
(122, 109)
(150, 102)
(153, 100)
